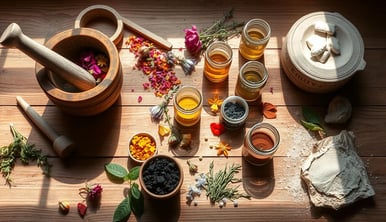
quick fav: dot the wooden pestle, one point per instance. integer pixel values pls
(147, 34)
(61, 144)
(13, 37)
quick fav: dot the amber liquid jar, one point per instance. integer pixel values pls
(254, 38)
(260, 144)
(218, 59)
(251, 80)
(187, 104)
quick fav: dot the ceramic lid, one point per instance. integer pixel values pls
(337, 67)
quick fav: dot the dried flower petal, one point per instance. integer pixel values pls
(223, 148)
(217, 128)
(146, 85)
(215, 103)
(155, 64)
(139, 100)
(269, 110)
(97, 64)
(163, 130)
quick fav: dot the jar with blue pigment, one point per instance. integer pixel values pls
(234, 112)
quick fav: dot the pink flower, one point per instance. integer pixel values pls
(95, 191)
(192, 41)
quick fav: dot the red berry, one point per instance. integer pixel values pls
(82, 209)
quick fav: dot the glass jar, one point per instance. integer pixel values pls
(234, 112)
(254, 38)
(218, 59)
(251, 80)
(187, 103)
(260, 144)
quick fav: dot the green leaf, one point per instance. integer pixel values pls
(135, 192)
(116, 170)
(312, 126)
(123, 211)
(134, 173)
(310, 116)
(138, 203)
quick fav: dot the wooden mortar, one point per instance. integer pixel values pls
(70, 44)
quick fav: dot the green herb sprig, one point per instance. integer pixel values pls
(20, 148)
(134, 200)
(218, 184)
(223, 29)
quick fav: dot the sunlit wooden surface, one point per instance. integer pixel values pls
(104, 138)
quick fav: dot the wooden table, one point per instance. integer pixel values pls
(276, 190)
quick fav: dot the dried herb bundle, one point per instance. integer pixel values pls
(218, 185)
(223, 29)
(19, 148)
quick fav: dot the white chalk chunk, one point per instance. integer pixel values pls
(318, 50)
(333, 45)
(324, 57)
(315, 40)
(324, 27)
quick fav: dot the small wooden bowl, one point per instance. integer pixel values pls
(70, 44)
(143, 173)
(151, 138)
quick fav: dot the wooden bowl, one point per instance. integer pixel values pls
(70, 44)
(147, 175)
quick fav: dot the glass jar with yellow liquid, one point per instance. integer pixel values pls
(218, 59)
(187, 104)
(254, 38)
(251, 80)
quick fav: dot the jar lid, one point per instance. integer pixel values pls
(337, 67)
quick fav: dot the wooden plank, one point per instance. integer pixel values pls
(17, 77)
(108, 134)
(286, 199)
(278, 194)
(43, 17)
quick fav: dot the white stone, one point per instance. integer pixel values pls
(324, 27)
(334, 174)
(323, 58)
(333, 44)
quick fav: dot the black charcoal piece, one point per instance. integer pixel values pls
(161, 176)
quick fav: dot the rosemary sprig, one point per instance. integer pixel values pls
(223, 29)
(218, 185)
(19, 148)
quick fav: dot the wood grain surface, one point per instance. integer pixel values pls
(276, 189)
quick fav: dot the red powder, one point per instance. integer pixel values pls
(262, 141)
